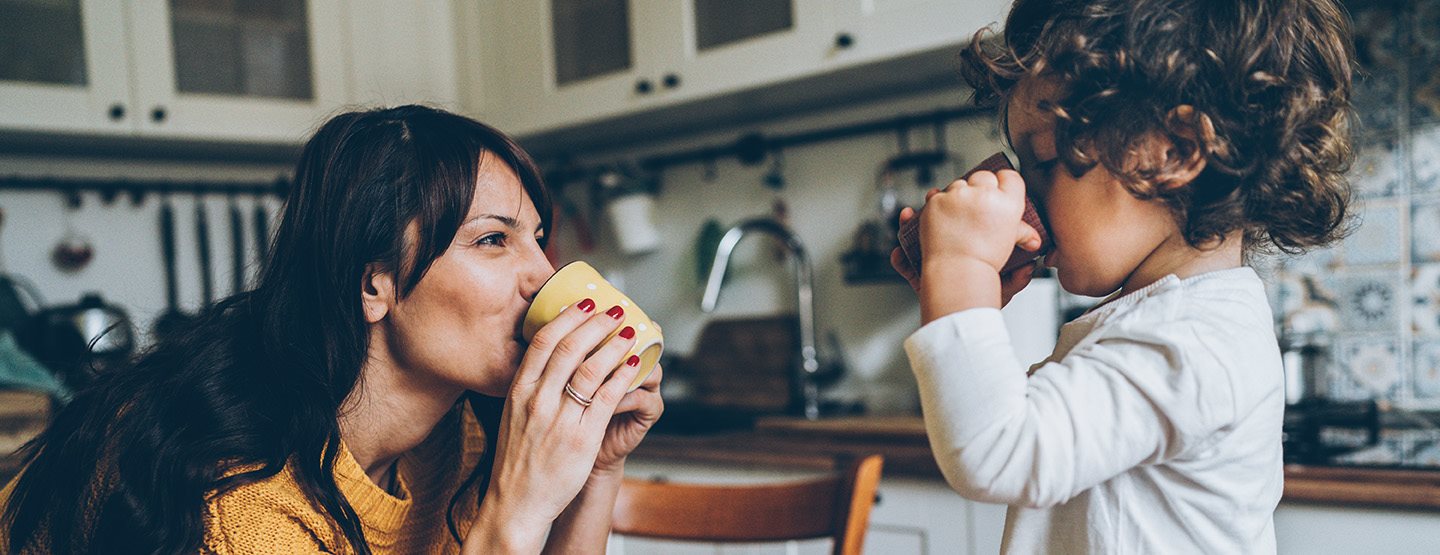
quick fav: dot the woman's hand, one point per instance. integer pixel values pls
(548, 440)
(637, 412)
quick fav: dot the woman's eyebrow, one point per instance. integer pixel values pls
(512, 223)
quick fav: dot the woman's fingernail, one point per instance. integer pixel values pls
(586, 305)
(615, 312)
(634, 360)
(628, 332)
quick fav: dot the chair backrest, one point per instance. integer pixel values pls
(836, 506)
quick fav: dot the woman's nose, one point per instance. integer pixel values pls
(536, 272)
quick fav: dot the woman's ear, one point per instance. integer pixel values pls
(377, 293)
(1178, 155)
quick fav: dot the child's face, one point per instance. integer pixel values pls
(1101, 232)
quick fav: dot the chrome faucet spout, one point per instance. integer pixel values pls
(807, 399)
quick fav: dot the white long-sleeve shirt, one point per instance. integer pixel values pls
(1154, 427)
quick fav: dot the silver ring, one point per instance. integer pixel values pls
(584, 402)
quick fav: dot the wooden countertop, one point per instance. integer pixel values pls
(798, 443)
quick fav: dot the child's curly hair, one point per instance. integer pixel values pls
(1269, 81)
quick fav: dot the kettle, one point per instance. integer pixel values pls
(77, 341)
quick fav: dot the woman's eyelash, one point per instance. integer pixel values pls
(491, 239)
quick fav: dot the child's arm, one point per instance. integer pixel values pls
(1001, 437)
(968, 232)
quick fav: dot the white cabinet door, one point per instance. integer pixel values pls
(260, 71)
(563, 62)
(64, 67)
(889, 28)
(730, 45)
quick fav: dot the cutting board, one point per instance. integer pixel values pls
(745, 363)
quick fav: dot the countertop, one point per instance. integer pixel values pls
(792, 442)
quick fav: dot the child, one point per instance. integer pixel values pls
(1164, 140)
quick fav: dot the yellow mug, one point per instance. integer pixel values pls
(578, 281)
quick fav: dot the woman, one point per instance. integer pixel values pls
(339, 406)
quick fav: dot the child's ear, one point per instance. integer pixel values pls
(377, 293)
(1178, 156)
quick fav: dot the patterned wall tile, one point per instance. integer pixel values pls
(1370, 301)
(1425, 296)
(1425, 231)
(1425, 370)
(1380, 239)
(1378, 169)
(1368, 367)
(1380, 49)
(1425, 157)
(1425, 57)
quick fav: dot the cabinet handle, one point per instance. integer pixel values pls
(671, 80)
(117, 112)
(644, 86)
(158, 114)
(844, 40)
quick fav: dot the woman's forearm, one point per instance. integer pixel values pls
(584, 526)
(500, 530)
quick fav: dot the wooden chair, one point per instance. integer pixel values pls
(835, 506)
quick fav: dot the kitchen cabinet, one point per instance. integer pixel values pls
(566, 63)
(64, 67)
(265, 71)
(885, 28)
(211, 69)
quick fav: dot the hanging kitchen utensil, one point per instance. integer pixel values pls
(73, 252)
(202, 243)
(237, 247)
(172, 319)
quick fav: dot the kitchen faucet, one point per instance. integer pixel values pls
(805, 391)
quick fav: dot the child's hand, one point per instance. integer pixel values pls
(967, 233)
(976, 220)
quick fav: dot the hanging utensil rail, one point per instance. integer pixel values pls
(140, 187)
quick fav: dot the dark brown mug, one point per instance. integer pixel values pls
(910, 230)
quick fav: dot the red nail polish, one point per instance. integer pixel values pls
(615, 312)
(586, 305)
(634, 360)
(628, 332)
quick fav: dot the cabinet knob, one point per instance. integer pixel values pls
(844, 40)
(671, 80)
(644, 86)
(117, 112)
(158, 114)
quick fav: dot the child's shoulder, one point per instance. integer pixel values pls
(1226, 298)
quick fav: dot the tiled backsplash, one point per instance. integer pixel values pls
(1384, 280)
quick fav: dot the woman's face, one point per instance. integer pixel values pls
(460, 325)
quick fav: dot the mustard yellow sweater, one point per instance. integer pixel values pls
(274, 516)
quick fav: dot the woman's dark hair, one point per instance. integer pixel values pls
(1269, 80)
(258, 380)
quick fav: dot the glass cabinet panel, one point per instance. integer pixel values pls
(722, 22)
(42, 41)
(591, 38)
(251, 48)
